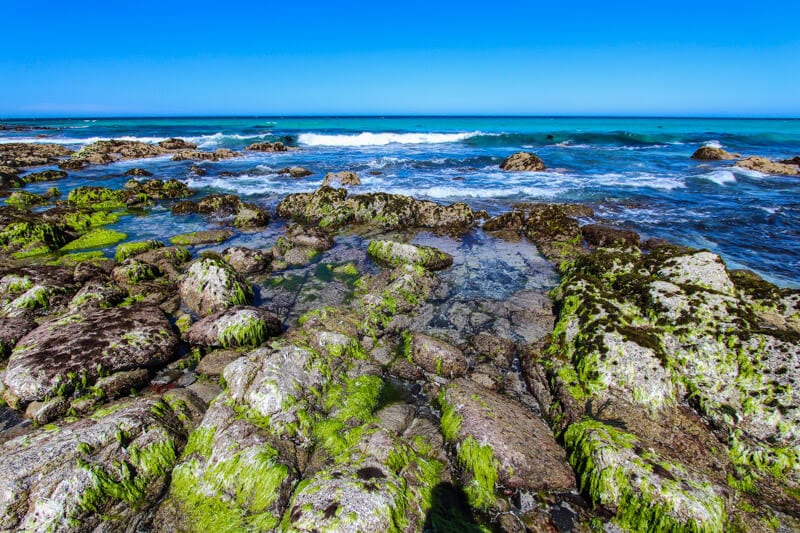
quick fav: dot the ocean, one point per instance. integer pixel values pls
(635, 172)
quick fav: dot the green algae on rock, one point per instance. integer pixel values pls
(239, 326)
(395, 253)
(96, 198)
(131, 249)
(214, 236)
(96, 238)
(210, 284)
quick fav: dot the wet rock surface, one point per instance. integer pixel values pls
(523, 162)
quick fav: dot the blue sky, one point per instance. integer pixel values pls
(559, 57)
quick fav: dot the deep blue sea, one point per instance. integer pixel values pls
(636, 172)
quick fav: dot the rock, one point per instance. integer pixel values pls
(138, 172)
(222, 206)
(436, 356)
(77, 476)
(121, 383)
(29, 292)
(194, 155)
(395, 253)
(599, 235)
(133, 271)
(194, 238)
(22, 155)
(250, 216)
(701, 269)
(46, 175)
(73, 164)
(246, 260)
(793, 161)
(132, 249)
(556, 234)
(299, 256)
(108, 151)
(333, 208)
(762, 164)
(511, 221)
(97, 293)
(238, 326)
(25, 199)
(12, 329)
(44, 412)
(295, 172)
(71, 352)
(344, 177)
(215, 362)
(500, 442)
(140, 192)
(522, 162)
(712, 153)
(497, 349)
(309, 237)
(212, 285)
(167, 260)
(267, 147)
(199, 171)
(176, 144)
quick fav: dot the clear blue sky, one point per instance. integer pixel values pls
(120, 57)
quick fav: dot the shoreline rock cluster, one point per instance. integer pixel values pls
(656, 389)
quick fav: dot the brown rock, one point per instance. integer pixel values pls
(523, 162)
(437, 357)
(712, 153)
(267, 147)
(762, 164)
(215, 362)
(344, 177)
(599, 235)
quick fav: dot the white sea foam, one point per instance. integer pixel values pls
(720, 177)
(381, 139)
(713, 144)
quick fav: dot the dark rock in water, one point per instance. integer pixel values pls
(212, 236)
(73, 351)
(713, 153)
(200, 171)
(556, 234)
(238, 326)
(46, 175)
(73, 164)
(793, 161)
(295, 172)
(497, 349)
(599, 235)
(212, 285)
(177, 144)
(501, 443)
(246, 215)
(108, 151)
(138, 172)
(113, 464)
(523, 162)
(395, 253)
(167, 260)
(158, 189)
(344, 177)
(267, 147)
(333, 208)
(762, 164)
(22, 155)
(246, 260)
(436, 356)
(194, 155)
(511, 221)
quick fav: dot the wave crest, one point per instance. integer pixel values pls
(382, 139)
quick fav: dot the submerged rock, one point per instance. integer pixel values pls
(762, 164)
(73, 351)
(45, 175)
(212, 285)
(213, 236)
(523, 162)
(713, 153)
(96, 473)
(295, 172)
(223, 206)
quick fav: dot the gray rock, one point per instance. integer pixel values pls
(211, 285)
(345, 177)
(215, 362)
(436, 356)
(71, 352)
(97, 473)
(235, 327)
(246, 260)
(396, 253)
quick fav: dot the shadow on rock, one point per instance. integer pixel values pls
(450, 511)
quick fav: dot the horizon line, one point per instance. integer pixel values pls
(395, 116)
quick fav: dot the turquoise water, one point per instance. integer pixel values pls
(635, 172)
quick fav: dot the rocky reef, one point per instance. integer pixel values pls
(345, 377)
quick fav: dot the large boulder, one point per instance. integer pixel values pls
(712, 153)
(246, 260)
(238, 326)
(523, 162)
(72, 352)
(210, 285)
(395, 253)
(762, 164)
(98, 473)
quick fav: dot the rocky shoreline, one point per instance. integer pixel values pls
(346, 379)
